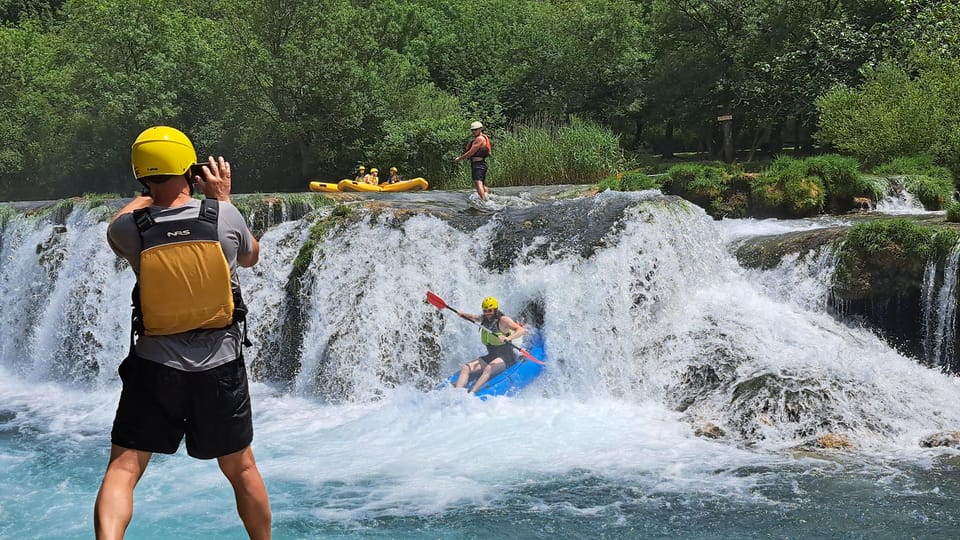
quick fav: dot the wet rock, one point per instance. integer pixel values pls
(835, 441)
(949, 439)
(768, 251)
(710, 431)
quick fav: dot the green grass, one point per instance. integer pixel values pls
(578, 152)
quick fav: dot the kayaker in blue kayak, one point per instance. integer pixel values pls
(497, 332)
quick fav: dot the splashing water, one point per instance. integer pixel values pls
(651, 333)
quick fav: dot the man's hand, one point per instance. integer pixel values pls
(215, 182)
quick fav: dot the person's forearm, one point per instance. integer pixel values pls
(467, 316)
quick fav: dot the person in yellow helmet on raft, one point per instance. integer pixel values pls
(361, 174)
(497, 333)
(393, 177)
(374, 177)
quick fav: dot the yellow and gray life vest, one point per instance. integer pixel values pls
(184, 282)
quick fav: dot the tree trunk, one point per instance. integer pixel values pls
(668, 140)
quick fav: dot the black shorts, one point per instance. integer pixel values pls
(160, 404)
(478, 171)
(508, 353)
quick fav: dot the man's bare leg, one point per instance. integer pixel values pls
(114, 507)
(253, 504)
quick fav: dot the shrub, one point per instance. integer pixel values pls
(953, 212)
(901, 238)
(934, 193)
(700, 184)
(635, 181)
(611, 182)
(896, 112)
(914, 165)
(766, 194)
(788, 186)
(803, 196)
(630, 181)
(840, 174)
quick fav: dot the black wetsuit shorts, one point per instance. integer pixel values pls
(505, 351)
(159, 405)
(478, 171)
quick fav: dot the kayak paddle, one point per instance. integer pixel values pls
(438, 303)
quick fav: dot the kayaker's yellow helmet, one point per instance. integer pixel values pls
(362, 168)
(393, 169)
(489, 303)
(161, 150)
(373, 170)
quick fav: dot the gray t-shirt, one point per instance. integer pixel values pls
(196, 350)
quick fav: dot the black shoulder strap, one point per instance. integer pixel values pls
(209, 210)
(143, 219)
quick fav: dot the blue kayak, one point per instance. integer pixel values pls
(516, 377)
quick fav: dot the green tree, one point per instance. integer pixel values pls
(34, 90)
(304, 77)
(133, 64)
(895, 114)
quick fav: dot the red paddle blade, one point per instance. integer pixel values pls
(531, 357)
(436, 301)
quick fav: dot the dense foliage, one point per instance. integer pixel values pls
(306, 89)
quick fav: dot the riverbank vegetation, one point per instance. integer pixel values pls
(571, 91)
(792, 187)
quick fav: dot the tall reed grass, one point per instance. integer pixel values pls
(545, 151)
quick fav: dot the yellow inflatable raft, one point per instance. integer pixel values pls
(325, 187)
(406, 185)
(414, 184)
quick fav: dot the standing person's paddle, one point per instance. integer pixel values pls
(438, 302)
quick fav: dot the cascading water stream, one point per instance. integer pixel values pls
(940, 309)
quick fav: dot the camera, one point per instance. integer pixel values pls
(197, 170)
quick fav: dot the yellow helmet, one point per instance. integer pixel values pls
(362, 168)
(393, 169)
(490, 303)
(373, 170)
(161, 150)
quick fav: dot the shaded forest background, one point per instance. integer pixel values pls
(297, 90)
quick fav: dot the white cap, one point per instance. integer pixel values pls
(476, 125)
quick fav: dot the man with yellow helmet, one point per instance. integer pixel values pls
(497, 332)
(185, 373)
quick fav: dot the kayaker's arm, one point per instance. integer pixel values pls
(468, 316)
(516, 330)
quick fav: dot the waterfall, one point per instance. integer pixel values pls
(939, 298)
(636, 295)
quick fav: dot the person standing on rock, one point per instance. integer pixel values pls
(478, 150)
